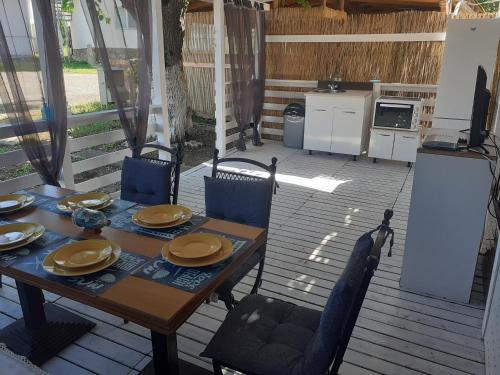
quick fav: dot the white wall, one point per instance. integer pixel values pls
(80, 33)
(11, 18)
(469, 43)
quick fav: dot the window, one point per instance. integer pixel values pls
(126, 19)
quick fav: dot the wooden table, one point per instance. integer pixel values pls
(160, 308)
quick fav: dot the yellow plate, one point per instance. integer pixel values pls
(185, 217)
(51, 267)
(161, 214)
(196, 245)
(11, 234)
(37, 233)
(14, 202)
(83, 253)
(225, 252)
(88, 200)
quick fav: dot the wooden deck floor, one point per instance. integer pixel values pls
(323, 204)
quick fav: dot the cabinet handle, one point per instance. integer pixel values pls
(349, 112)
(408, 137)
(319, 110)
(385, 135)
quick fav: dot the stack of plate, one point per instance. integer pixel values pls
(162, 216)
(16, 235)
(197, 250)
(82, 258)
(94, 201)
(13, 202)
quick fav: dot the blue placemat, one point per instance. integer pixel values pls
(123, 221)
(50, 204)
(95, 283)
(8, 258)
(188, 279)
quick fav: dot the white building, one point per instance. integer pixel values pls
(82, 38)
(17, 20)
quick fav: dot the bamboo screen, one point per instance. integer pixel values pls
(403, 62)
(198, 54)
(408, 62)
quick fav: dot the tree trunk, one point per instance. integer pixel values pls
(179, 107)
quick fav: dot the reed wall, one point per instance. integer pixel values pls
(404, 62)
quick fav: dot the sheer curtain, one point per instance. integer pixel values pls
(245, 26)
(259, 81)
(240, 18)
(38, 117)
(127, 71)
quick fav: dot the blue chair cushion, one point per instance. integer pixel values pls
(262, 335)
(244, 202)
(145, 182)
(321, 350)
(269, 336)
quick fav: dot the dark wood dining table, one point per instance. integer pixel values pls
(160, 308)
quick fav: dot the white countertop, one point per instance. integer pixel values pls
(348, 94)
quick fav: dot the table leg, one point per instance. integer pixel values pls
(165, 353)
(32, 301)
(44, 330)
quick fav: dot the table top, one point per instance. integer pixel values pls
(155, 306)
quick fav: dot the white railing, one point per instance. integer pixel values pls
(70, 168)
(428, 92)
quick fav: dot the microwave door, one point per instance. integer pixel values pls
(394, 115)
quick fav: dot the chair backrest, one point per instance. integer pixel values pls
(240, 197)
(326, 351)
(151, 181)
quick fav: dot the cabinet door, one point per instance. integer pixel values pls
(381, 144)
(405, 147)
(318, 128)
(347, 131)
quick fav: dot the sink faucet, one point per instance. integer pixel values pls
(334, 82)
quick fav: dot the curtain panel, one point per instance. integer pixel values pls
(36, 112)
(245, 25)
(128, 71)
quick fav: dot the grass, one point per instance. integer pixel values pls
(96, 127)
(17, 171)
(79, 67)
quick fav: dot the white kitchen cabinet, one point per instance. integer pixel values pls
(321, 117)
(405, 146)
(398, 145)
(345, 134)
(337, 123)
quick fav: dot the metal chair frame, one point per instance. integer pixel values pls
(371, 265)
(230, 301)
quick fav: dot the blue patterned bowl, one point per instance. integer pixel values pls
(89, 219)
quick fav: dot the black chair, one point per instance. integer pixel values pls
(152, 181)
(245, 199)
(264, 336)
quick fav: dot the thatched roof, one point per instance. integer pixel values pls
(352, 6)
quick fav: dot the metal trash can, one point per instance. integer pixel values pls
(293, 125)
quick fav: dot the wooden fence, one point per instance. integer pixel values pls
(280, 93)
(70, 169)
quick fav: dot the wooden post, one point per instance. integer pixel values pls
(220, 77)
(159, 84)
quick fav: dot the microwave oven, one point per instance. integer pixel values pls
(396, 112)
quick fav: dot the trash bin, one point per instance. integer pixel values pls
(293, 125)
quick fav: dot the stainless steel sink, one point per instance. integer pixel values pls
(328, 91)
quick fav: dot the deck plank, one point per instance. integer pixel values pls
(398, 332)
